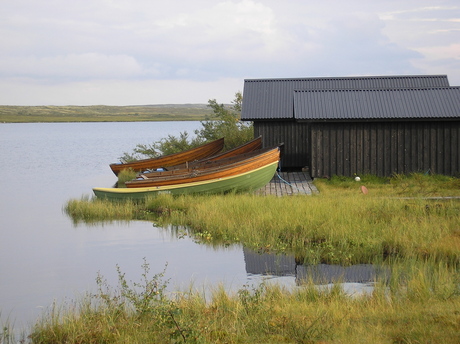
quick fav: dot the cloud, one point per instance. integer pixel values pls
(204, 42)
(73, 66)
(28, 91)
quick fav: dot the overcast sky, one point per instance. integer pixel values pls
(136, 52)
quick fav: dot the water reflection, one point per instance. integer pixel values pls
(273, 265)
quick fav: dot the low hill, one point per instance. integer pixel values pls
(104, 113)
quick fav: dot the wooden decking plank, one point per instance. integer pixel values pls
(289, 183)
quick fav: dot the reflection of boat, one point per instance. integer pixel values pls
(208, 169)
(245, 181)
(200, 152)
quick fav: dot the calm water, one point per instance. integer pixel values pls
(45, 258)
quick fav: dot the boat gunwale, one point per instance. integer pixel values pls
(177, 186)
(189, 155)
(248, 163)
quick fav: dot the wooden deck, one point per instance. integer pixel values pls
(289, 183)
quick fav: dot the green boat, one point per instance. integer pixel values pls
(244, 182)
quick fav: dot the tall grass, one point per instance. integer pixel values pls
(341, 225)
(92, 210)
(126, 175)
(420, 304)
(416, 239)
(327, 229)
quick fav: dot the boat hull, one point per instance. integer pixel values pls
(225, 168)
(198, 153)
(245, 182)
(250, 146)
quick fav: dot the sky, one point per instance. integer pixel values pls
(139, 52)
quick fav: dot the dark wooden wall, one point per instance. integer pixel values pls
(380, 148)
(384, 148)
(295, 137)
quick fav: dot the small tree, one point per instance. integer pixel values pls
(225, 121)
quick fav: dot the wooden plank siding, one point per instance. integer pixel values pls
(384, 148)
(295, 136)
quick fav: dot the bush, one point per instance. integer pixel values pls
(224, 122)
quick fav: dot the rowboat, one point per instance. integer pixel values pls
(244, 182)
(200, 152)
(208, 169)
(237, 152)
(244, 148)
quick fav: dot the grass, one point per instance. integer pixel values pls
(419, 305)
(93, 211)
(102, 113)
(126, 175)
(361, 229)
(416, 239)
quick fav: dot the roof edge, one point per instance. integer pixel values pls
(420, 76)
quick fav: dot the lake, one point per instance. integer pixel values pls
(45, 258)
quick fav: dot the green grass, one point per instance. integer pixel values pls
(341, 225)
(126, 175)
(93, 211)
(416, 239)
(103, 113)
(419, 305)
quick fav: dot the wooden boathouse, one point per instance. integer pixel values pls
(355, 125)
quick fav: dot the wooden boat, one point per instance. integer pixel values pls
(248, 147)
(243, 182)
(231, 156)
(201, 152)
(244, 148)
(208, 169)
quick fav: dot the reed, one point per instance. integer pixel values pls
(416, 240)
(419, 304)
(126, 175)
(92, 210)
(341, 225)
(329, 229)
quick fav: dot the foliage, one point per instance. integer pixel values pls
(94, 210)
(144, 297)
(125, 175)
(171, 144)
(223, 122)
(416, 240)
(363, 228)
(419, 304)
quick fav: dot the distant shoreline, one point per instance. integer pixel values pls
(104, 113)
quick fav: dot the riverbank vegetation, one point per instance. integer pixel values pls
(400, 225)
(419, 304)
(408, 217)
(103, 113)
(222, 121)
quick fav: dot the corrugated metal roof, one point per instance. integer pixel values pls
(273, 98)
(413, 103)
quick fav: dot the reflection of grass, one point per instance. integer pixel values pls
(340, 225)
(102, 113)
(418, 305)
(417, 239)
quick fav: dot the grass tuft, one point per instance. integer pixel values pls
(419, 304)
